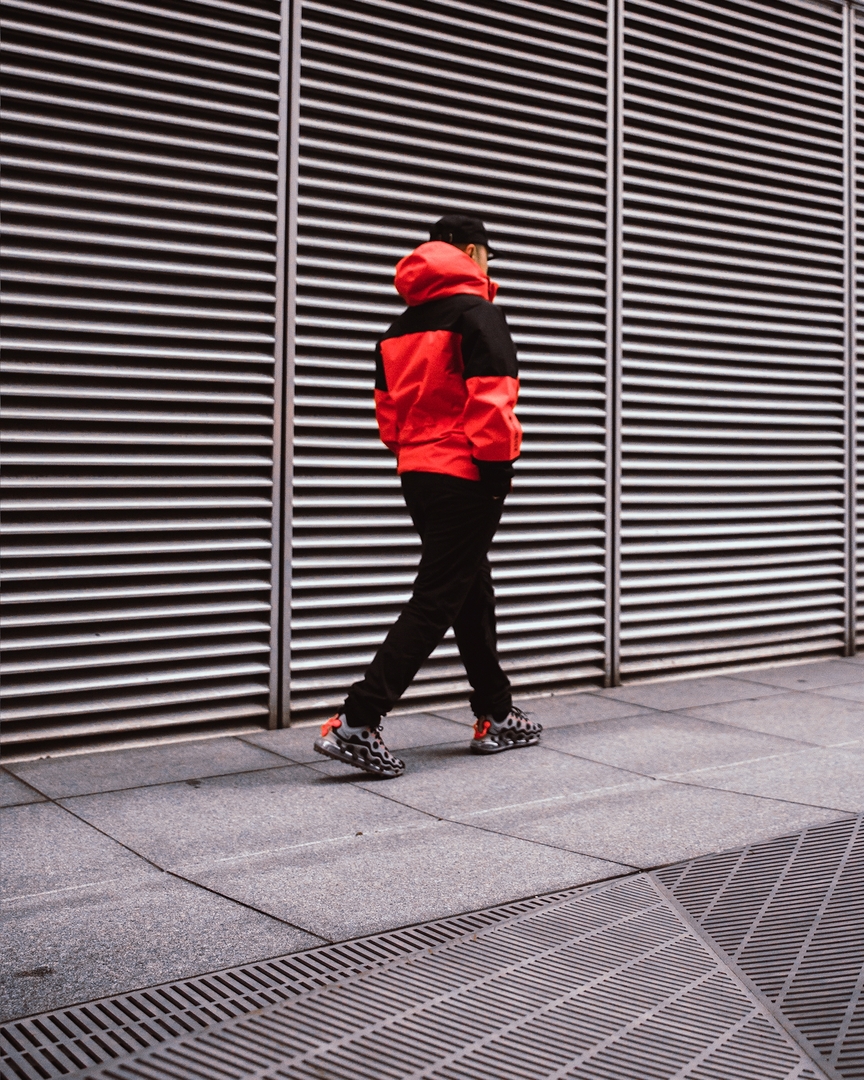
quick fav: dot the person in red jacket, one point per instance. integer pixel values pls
(446, 385)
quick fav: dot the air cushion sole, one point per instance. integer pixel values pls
(356, 760)
(498, 748)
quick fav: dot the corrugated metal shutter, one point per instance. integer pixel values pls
(733, 363)
(140, 180)
(409, 110)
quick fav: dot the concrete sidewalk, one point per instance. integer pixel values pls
(131, 867)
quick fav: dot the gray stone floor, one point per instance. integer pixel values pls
(130, 867)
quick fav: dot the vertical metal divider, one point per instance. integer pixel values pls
(280, 416)
(614, 189)
(292, 40)
(850, 327)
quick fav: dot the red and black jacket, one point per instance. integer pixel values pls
(446, 371)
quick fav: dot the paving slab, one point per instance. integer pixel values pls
(449, 780)
(853, 692)
(806, 676)
(400, 732)
(45, 848)
(229, 816)
(656, 743)
(652, 822)
(74, 946)
(831, 777)
(114, 770)
(365, 884)
(687, 693)
(561, 710)
(806, 717)
(15, 793)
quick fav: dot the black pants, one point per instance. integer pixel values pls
(456, 522)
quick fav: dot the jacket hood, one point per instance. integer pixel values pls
(437, 269)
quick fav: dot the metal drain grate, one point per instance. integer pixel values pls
(611, 983)
(740, 966)
(65, 1041)
(790, 915)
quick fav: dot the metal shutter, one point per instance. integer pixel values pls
(733, 321)
(141, 187)
(408, 110)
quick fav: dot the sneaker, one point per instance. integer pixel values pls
(361, 747)
(492, 736)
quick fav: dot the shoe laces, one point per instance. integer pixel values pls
(516, 712)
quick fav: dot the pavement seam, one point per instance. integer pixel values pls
(248, 906)
(159, 783)
(498, 832)
(767, 798)
(585, 854)
(747, 761)
(294, 762)
(179, 876)
(664, 778)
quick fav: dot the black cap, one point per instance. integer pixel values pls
(460, 229)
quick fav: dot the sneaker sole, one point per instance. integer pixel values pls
(478, 748)
(347, 758)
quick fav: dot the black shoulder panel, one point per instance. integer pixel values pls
(442, 314)
(487, 348)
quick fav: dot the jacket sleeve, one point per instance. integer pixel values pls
(492, 379)
(385, 408)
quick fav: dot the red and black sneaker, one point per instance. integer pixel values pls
(492, 736)
(361, 747)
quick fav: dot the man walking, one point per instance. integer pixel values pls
(446, 384)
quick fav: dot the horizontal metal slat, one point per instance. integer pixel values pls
(127, 638)
(113, 262)
(134, 480)
(106, 239)
(35, 121)
(174, 77)
(236, 26)
(125, 570)
(158, 29)
(209, 63)
(124, 680)
(131, 592)
(60, 617)
(103, 660)
(117, 703)
(127, 723)
(532, 59)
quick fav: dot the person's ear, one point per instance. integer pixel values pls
(470, 250)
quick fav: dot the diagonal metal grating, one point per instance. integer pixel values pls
(609, 983)
(790, 915)
(741, 965)
(63, 1042)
